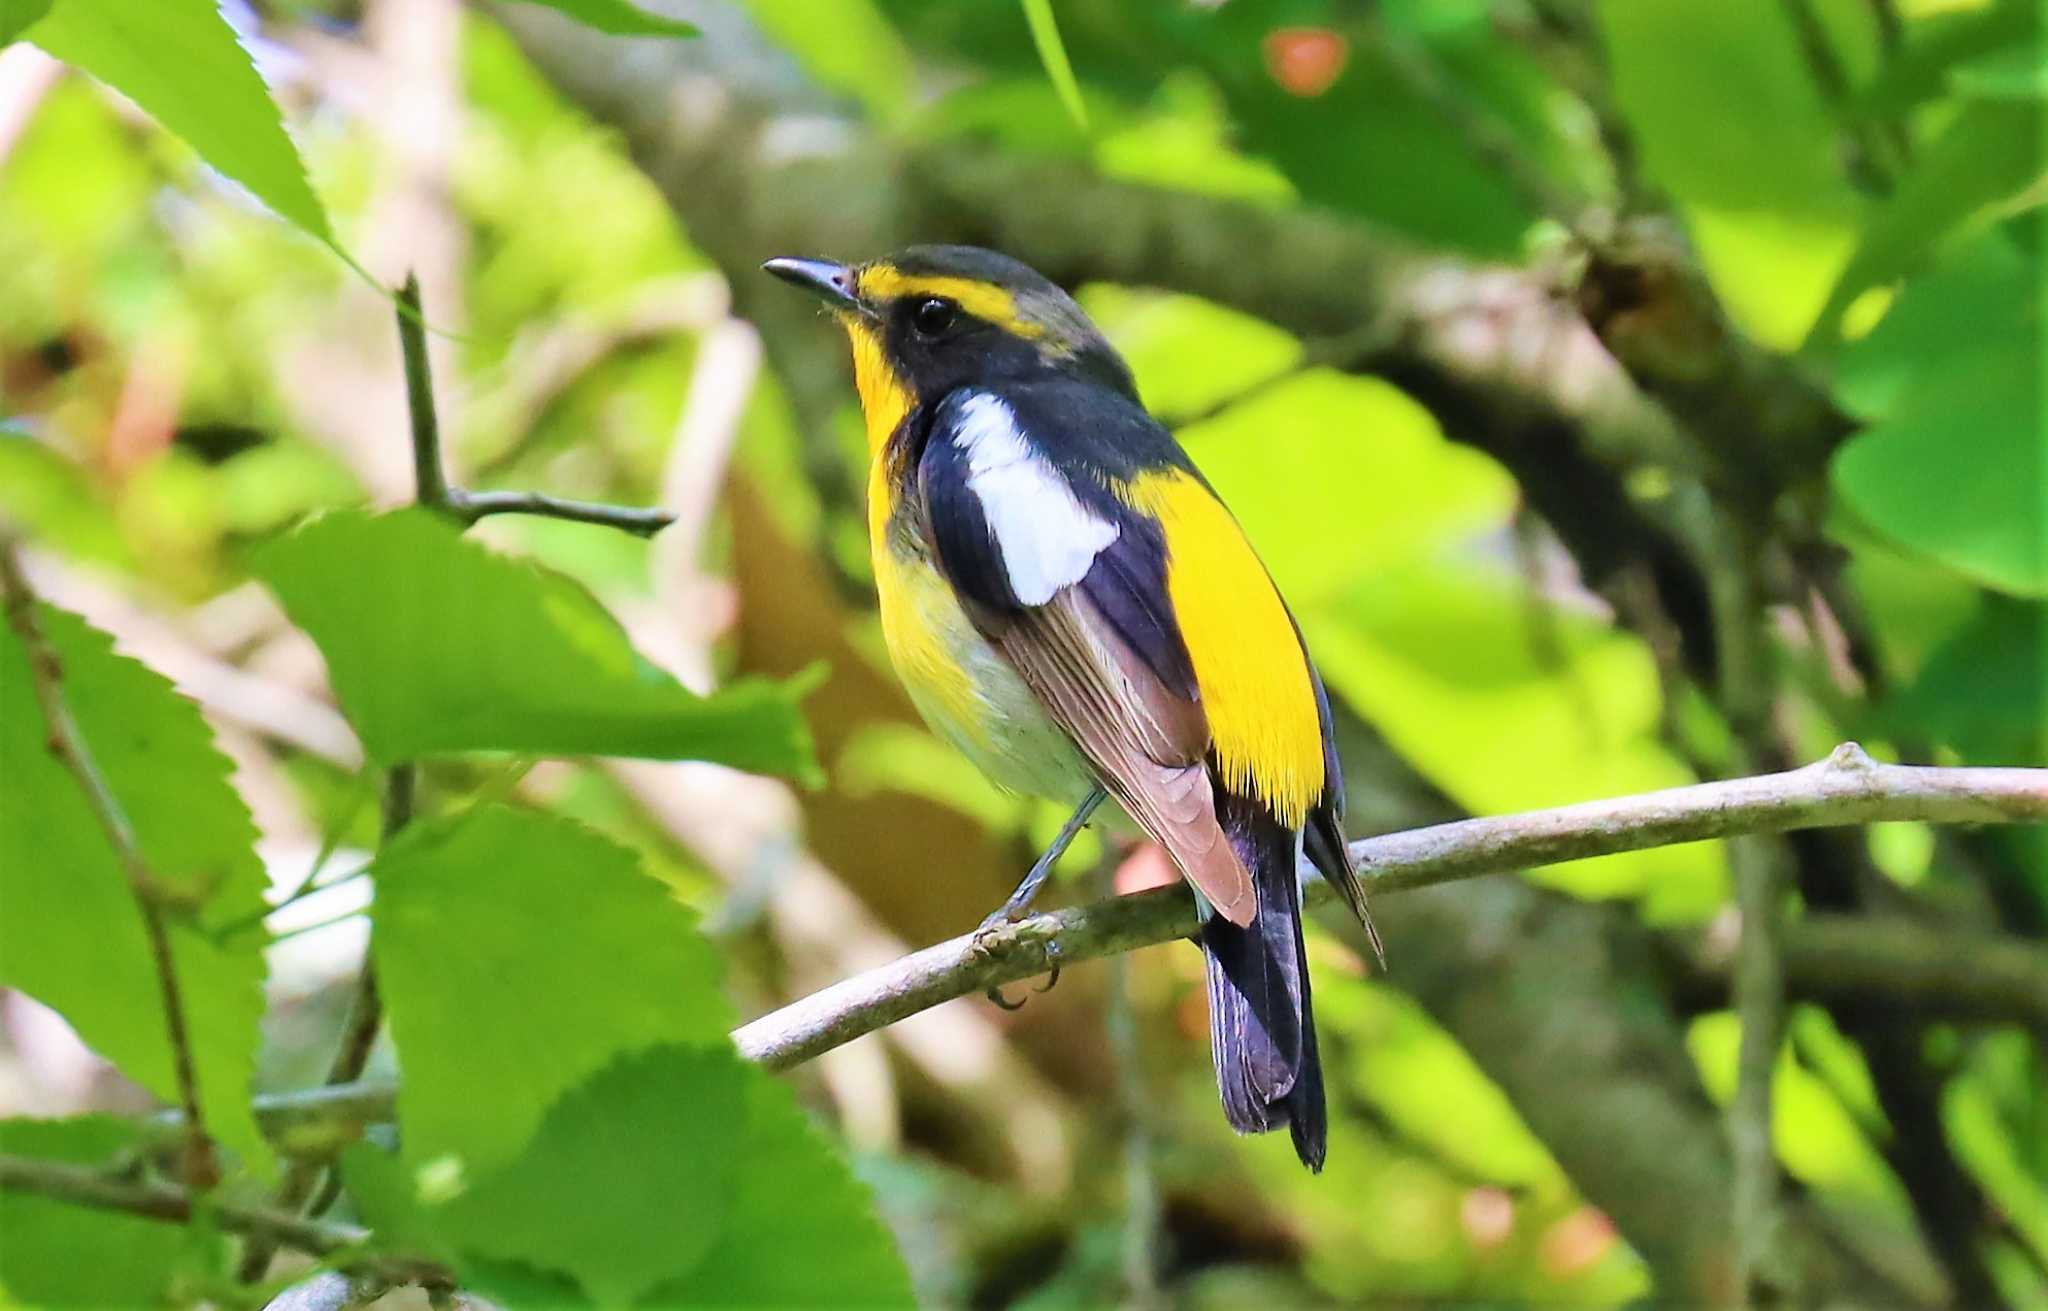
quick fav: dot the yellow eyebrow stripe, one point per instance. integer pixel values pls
(1249, 664)
(886, 282)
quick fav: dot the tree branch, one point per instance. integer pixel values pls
(80, 1185)
(430, 477)
(68, 747)
(1846, 788)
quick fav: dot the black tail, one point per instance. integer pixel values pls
(1261, 1029)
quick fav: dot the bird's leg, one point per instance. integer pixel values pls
(1019, 902)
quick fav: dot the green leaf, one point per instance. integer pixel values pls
(845, 45)
(1942, 319)
(697, 1182)
(435, 644)
(1444, 662)
(1984, 692)
(1955, 468)
(619, 17)
(518, 954)
(59, 1255)
(2018, 72)
(17, 15)
(650, 1147)
(1052, 52)
(179, 60)
(71, 932)
(1990, 152)
(1334, 477)
(795, 1194)
(1730, 122)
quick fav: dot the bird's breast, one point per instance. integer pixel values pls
(961, 685)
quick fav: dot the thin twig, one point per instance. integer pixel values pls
(471, 506)
(430, 477)
(302, 1178)
(1759, 863)
(85, 1186)
(1846, 788)
(1140, 1245)
(67, 746)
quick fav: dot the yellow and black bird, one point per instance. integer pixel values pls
(1073, 608)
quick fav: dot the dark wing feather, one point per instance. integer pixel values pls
(1146, 741)
(1093, 654)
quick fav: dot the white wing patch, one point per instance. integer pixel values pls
(1046, 536)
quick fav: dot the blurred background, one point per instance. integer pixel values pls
(1544, 348)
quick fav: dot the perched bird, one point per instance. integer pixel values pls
(1072, 607)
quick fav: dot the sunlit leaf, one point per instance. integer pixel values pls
(180, 61)
(847, 46)
(1990, 152)
(1817, 1138)
(1730, 122)
(1334, 477)
(435, 644)
(518, 954)
(1955, 466)
(1992, 1115)
(1509, 705)
(1052, 52)
(16, 15)
(1189, 356)
(71, 930)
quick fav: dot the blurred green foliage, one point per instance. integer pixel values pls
(1870, 215)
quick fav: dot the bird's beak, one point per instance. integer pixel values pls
(832, 282)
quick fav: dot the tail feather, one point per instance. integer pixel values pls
(1261, 1029)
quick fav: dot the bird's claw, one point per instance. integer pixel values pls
(1052, 959)
(996, 995)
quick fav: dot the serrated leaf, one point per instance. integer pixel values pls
(71, 932)
(519, 953)
(55, 1254)
(180, 61)
(796, 1194)
(619, 17)
(435, 644)
(696, 1182)
(17, 15)
(650, 1147)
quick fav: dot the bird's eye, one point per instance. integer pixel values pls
(933, 317)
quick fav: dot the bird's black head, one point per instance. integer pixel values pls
(943, 317)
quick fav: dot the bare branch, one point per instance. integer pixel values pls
(67, 745)
(430, 479)
(471, 506)
(82, 1185)
(1846, 788)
